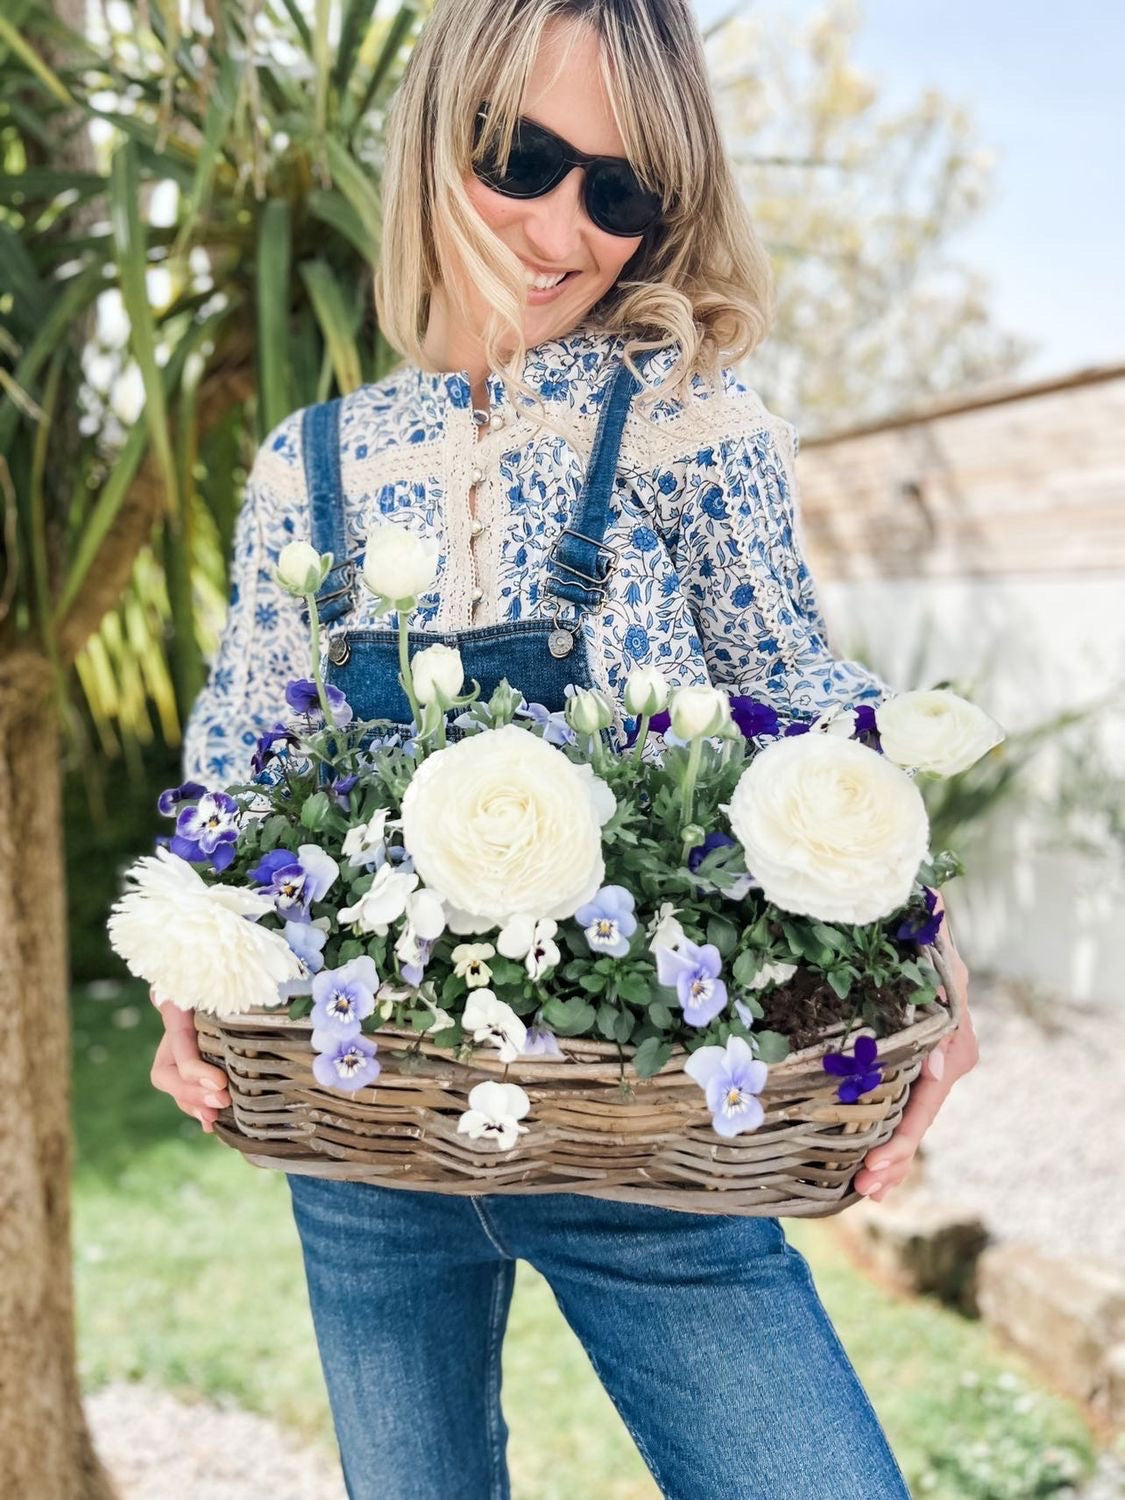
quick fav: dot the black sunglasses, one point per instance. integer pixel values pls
(615, 198)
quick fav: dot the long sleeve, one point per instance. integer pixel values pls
(743, 572)
(264, 643)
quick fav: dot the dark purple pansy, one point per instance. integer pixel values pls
(699, 853)
(301, 695)
(866, 729)
(860, 1071)
(265, 751)
(341, 790)
(922, 930)
(207, 829)
(752, 717)
(657, 725)
(169, 800)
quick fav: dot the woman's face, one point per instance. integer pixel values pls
(553, 233)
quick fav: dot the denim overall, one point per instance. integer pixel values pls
(537, 656)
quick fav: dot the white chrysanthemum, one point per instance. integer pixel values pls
(936, 731)
(502, 822)
(197, 943)
(830, 828)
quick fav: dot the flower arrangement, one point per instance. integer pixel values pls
(731, 895)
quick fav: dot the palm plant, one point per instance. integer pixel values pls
(216, 186)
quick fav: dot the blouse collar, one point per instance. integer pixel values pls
(553, 368)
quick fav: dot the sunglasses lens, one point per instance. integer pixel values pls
(618, 202)
(533, 163)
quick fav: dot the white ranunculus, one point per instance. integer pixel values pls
(495, 1110)
(382, 903)
(646, 691)
(199, 945)
(699, 711)
(830, 828)
(397, 564)
(502, 822)
(936, 731)
(490, 1019)
(437, 667)
(300, 568)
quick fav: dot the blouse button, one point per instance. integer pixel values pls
(478, 526)
(477, 476)
(477, 595)
(496, 419)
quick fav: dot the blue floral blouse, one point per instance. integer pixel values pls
(710, 582)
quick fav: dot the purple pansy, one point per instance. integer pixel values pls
(341, 789)
(540, 1042)
(413, 973)
(348, 1064)
(171, 798)
(922, 930)
(732, 1078)
(556, 731)
(694, 971)
(860, 1072)
(660, 723)
(301, 695)
(752, 717)
(295, 880)
(717, 840)
(608, 920)
(342, 997)
(207, 829)
(265, 752)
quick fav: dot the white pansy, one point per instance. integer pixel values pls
(199, 945)
(699, 711)
(836, 720)
(495, 1110)
(775, 973)
(397, 564)
(936, 731)
(300, 568)
(492, 1020)
(437, 668)
(383, 903)
(543, 954)
(830, 828)
(664, 931)
(502, 822)
(364, 841)
(470, 963)
(646, 691)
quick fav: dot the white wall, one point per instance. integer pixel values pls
(1025, 648)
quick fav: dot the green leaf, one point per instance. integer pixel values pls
(723, 933)
(337, 322)
(299, 1007)
(651, 1056)
(841, 981)
(660, 1014)
(273, 297)
(607, 1018)
(635, 986)
(772, 1046)
(568, 1017)
(316, 812)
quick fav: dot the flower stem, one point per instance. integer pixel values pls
(690, 777)
(404, 662)
(642, 735)
(314, 627)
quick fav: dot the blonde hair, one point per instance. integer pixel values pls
(703, 280)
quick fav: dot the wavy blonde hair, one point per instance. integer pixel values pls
(702, 280)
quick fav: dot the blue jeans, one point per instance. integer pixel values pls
(705, 1329)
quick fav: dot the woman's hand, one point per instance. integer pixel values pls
(885, 1166)
(178, 1069)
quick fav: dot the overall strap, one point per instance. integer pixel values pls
(320, 445)
(578, 549)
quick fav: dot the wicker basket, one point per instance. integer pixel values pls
(652, 1142)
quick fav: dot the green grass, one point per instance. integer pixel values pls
(188, 1273)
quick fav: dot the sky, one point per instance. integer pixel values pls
(1043, 85)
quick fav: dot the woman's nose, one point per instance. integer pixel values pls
(556, 221)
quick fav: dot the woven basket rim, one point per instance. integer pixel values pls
(594, 1052)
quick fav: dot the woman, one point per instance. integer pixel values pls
(706, 1329)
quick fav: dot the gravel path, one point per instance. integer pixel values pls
(1033, 1138)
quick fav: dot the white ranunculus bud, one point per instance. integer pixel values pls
(397, 564)
(438, 667)
(589, 711)
(699, 711)
(646, 691)
(301, 568)
(830, 828)
(935, 731)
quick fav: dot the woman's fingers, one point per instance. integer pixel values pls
(197, 1087)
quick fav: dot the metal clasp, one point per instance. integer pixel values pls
(597, 584)
(338, 649)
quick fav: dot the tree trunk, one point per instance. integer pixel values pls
(46, 1452)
